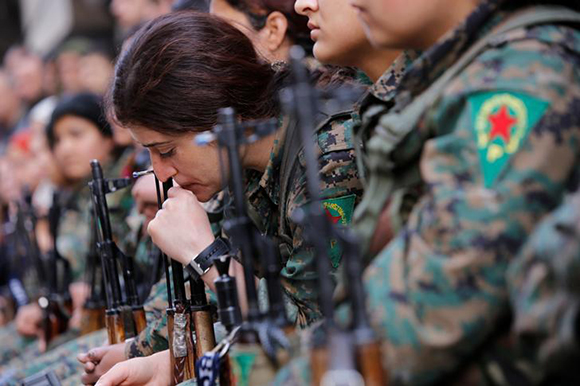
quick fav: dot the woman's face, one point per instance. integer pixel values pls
(415, 24)
(76, 142)
(195, 168)
(337, 33)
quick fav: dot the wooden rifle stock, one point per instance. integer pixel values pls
(93, 319)
(170, 324)
(201, 318)
(139, 319)
(369, 363)
(318, 363)
(115, 327)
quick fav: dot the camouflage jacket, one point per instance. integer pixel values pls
(496, 152)
(340, 191)
(545, 298)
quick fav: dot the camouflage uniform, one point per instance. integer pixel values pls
(543, 285)
(496, 152)
(340, 191)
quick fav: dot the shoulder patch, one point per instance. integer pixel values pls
(339, 211)
(502, 121)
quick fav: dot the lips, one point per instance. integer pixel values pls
(314, 30)
(312, 26)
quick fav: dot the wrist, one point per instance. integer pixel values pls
(200, 264)
(186, 255)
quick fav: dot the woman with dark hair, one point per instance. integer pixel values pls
(272, 25)
(221, 68)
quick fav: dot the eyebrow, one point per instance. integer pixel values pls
(153, 144)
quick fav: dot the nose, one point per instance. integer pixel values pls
(163, 168)
(304, 7)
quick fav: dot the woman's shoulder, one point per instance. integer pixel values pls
(540, 60)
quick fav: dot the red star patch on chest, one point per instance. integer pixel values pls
(501, 124)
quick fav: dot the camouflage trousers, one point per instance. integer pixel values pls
(62, 360)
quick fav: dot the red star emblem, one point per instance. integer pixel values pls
(333, 219)
(501, 124)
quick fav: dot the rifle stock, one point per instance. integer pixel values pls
(170, 325)
(115, 327)
(318, 363)
(93, 319)
(370, 365)
(203, 327)
(139, 319)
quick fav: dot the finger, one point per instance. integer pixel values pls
(82, 357)
(116, 376)
(89, 379)
(96, 354)
(175, 191)
(178, 191)
(89, 367)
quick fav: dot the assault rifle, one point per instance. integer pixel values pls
(346, 357)
(125, 316)
(57, 303)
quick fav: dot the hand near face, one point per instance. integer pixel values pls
(181, 228)
(152, 370)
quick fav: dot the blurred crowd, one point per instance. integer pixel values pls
(51, 126)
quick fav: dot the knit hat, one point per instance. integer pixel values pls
(84, 105)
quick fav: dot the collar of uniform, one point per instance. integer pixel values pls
(444, 53)
(384, 88)
(269, 180)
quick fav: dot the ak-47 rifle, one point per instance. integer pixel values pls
(179, 317)
(125, 316)
(57, 304)
(349, 348)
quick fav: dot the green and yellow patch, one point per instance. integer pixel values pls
(502, 121)
(339, 211)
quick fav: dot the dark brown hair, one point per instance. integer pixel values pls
(257, 12)
(181, 68)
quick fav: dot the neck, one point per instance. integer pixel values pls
(377, 62)
(257, 155)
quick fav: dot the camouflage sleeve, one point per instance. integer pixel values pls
(154, 337)
(340, 190)
(439, 289)
(545, 297)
